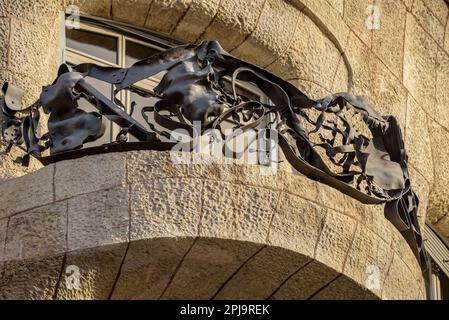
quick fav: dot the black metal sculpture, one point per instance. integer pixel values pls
(370, 167)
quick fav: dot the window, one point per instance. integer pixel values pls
(114, 44)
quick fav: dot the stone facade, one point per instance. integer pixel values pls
(320, 46)
(140, 227)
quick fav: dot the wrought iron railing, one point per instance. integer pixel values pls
(339, 140)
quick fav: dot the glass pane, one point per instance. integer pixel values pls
(136, 52)
(95, 44)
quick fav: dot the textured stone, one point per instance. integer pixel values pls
(262, 274)
(313, 90)
(368, 251)
(341, 82)
(26, 192)
(310, 56)
(93, 173)
(165, 207)
(98, 218)
(305, 282)
(232, 29)
(429, 21)
(276, 27)
(438, 207)
(236, 212)
(419, 63)
(388, 41)
(99, 8)
(337, 5)
(439, 8)
(149, 266)
(196, 20)
(33, 52)
(164, 15)
(356, 15)
(381, 89)
(335, 240)
(33, 11)
(30, 279)
(418, 144)
(36, 233)
(399, 285)
(212, 259)
(5, 26)
(343, 288)
(422, 189)
(98, 269)
(438, 111)
(144, 164)
(131, 11)
(296, 225)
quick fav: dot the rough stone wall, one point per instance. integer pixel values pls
(321, 46)
(325, 47)
(139, 226)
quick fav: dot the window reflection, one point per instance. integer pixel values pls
(95, 44)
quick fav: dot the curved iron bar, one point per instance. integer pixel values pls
(193, 89)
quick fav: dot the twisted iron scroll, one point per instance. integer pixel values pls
(372, 169)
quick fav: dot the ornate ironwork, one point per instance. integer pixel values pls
(339, 140)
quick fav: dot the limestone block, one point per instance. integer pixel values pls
(438, 206)
(30, 191)
(30, 279)
(368, 254)
(341, 82)
(164, 207)
(399, 284)
(446, 38)
(305, 282)
(235, 20)
(272, 35)
(39, 12)
(356, 15)
(343, 288)
(439, 9)
(429, 21)
(98, 172)
(419, 63)
(237, 212)
(5, 27)
(297, 184)
(262, 274)
(422, 189)
(418, 144)
(337, 5)
(164, 15)
(196, 20)
(39, 232)
(134, 12)
(310, 56)
(99, 8)
(296, 225)
(141, 165)
(207, 266)
(97, 269)
(313, 90)
(388, 41)
(372, 80)
(98, 218)
(438, 111)
(149, 266)
(335, 240)
(402, 250)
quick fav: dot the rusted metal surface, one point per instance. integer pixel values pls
(322, 139)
